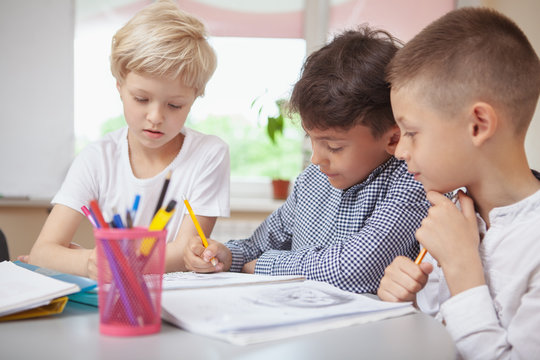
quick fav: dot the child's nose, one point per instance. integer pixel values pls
(316, 158)
(155, 115)
(401, 152)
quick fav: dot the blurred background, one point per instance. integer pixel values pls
(58, 94)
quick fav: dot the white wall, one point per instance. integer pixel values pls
(525, 14)
(36, 95)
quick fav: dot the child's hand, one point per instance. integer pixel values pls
(451, 237)
(199, 259)
(92, 264)
(403, 279)
(249, 268)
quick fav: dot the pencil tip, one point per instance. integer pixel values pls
(169, 174)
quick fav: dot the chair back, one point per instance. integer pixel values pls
(4, 252)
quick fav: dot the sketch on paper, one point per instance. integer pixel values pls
(301, 296)
(193, 276)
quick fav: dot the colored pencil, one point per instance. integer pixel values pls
(214, 261)
(420, 256)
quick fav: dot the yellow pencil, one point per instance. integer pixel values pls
(198, 227)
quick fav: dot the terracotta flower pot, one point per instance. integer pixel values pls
(280, 188)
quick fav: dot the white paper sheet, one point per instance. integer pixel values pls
(248, 314)
(192, 280)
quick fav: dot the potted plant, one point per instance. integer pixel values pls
(275, 129)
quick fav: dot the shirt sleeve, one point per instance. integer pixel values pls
(355, 262)
(273, 233)
(210, 196)
(471, 319)
(80, 183)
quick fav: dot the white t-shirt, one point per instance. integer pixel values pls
(500, 320)
(102, 171)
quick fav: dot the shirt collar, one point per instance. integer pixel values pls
(506, 214)
(371, 177)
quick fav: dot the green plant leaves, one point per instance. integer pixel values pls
(274, 126)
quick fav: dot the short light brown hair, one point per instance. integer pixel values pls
(468, 55)
(343, 84)
(163, 41)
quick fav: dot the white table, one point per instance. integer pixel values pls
(74, 334)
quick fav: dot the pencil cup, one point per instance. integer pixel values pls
(130, 274)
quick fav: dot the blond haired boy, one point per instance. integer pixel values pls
(161, 61)
(463, 92)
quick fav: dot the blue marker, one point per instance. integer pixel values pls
(117, 220)
(131, 214)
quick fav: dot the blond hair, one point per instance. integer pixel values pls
(163, 41)
(467, 55)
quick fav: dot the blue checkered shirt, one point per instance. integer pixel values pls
(343, 237)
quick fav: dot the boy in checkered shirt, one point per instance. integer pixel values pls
(356, 207)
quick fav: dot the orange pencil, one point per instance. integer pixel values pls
(420, 256)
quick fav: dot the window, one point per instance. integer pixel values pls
(248, 69)
(260, 47)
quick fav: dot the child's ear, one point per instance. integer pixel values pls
(392, 139)
(483, 123)
(118, 87)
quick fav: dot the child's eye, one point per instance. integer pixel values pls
(409, 134)
(140, 99)
(334, 149)
(175, 106)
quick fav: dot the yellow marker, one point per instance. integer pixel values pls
(159, 222)
(199, 230)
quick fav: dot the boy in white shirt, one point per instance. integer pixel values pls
(463, 92)
(162, 61)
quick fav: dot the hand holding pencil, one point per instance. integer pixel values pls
(213, 261)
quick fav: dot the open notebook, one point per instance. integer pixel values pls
(23, 289)
(252, 313)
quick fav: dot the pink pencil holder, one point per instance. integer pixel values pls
(130, 274)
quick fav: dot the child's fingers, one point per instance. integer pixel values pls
(426, 268)
(196, 248)
(197, 264)
(198, 258)
(402, 280)
(392, 291)
(467, 207)
(436, 198)
(209, 253)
